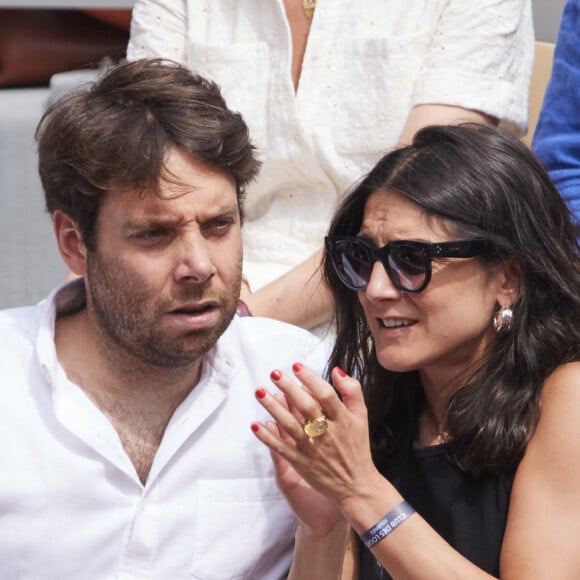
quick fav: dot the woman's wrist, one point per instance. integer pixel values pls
(319, 555)
(322, 532)
(387, 524)
(365, 508)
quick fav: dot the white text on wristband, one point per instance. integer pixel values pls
(387, 524)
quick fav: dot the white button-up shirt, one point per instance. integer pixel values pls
(367, 64)
(71, 503)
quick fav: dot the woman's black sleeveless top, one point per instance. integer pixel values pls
(470, 513)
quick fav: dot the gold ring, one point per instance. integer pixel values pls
(316, 427)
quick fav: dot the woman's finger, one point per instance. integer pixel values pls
(350, 392)
(281, 465)
(283, 400)
(284, 453)
(280, 412)
(299, 399)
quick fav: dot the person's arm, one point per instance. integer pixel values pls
(299, 297)
(318, 556)
(480, 59)
(425, 115)
(541, 538)
(351, 562)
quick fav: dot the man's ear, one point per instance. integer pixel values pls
(70, 242)
(510, 284)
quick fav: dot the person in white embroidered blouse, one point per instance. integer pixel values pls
(327, 87)
(126, 395)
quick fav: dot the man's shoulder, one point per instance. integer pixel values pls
(274, 341)
(259, 330)
(18, 321)
(19, 331)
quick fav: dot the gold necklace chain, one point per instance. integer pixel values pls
(309, 6)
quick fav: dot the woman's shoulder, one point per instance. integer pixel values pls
(547, 482)
(560, 404)
(563, 382)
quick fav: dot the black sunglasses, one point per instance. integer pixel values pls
(407, 263)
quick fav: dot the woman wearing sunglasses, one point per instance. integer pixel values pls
(450, 441)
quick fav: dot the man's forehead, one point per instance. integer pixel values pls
(132, 209)
(191, 204)
(186, 186)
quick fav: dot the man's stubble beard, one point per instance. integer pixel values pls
(129, 337)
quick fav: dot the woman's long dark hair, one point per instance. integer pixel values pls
(489, 185)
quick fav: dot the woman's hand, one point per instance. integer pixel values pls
(338, 463)
(316, 514)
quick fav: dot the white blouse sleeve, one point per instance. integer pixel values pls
(158, 29)
(481, 58)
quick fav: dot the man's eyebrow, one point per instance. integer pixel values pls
(229, 210)
(161, 220)
(148, 222)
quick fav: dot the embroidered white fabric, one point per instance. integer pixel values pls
(367, 63)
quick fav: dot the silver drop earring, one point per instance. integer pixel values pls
(503, 319)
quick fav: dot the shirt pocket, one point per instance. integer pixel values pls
(242, 71)
(239, 523)
(378, 77)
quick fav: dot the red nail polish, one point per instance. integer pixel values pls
(297, 367)
(255, 427)
(275, 375)
(340, 372)
(260, 393)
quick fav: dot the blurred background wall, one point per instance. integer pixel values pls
(547, 15)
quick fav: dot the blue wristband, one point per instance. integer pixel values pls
(387, 524)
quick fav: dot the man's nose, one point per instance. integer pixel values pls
(194, 260)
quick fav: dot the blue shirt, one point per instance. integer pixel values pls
(557, 136)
